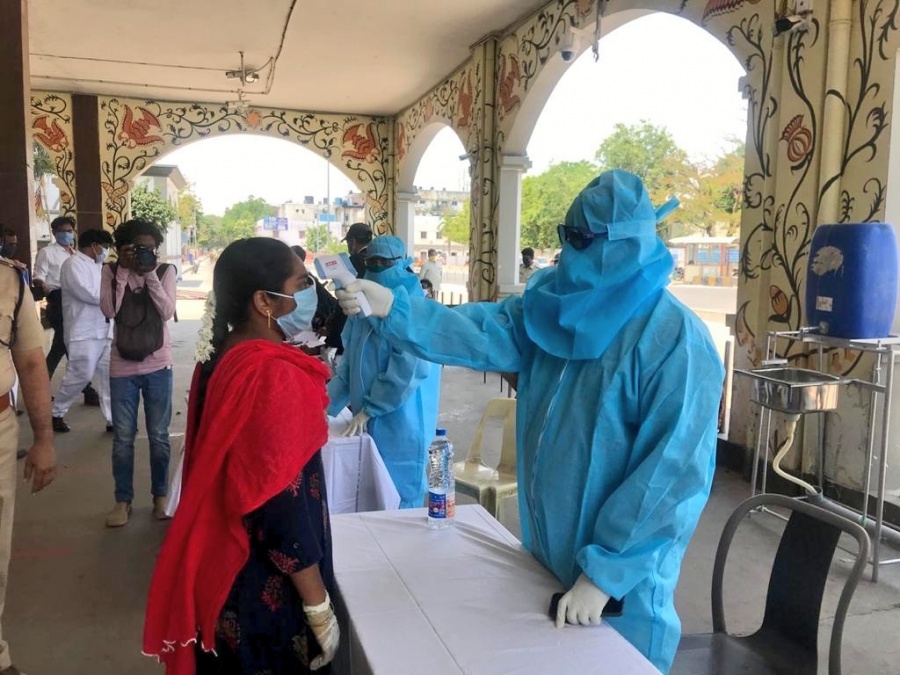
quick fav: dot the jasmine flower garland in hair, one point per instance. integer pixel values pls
(204, 339)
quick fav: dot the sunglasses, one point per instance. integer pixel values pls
(578, 239)
(378, 263)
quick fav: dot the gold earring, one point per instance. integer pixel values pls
(269, 315)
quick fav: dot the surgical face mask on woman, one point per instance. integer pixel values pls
(300, 319)
(64, 238)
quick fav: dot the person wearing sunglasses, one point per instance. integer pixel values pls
(393, 394)
(618, 398)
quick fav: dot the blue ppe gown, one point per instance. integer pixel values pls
(616, 429)
(399, 391)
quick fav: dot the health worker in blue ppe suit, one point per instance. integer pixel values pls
(618, 396)
(391, 392)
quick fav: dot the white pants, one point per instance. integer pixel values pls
(85, 359)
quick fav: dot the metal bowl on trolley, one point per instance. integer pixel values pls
(794, 391)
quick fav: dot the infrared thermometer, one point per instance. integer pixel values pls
(339, 268)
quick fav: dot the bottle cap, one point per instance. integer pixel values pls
(440, 432)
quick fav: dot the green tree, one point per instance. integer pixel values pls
(190, 213)
(547, 196)
(318, 238)
(209, 231)
(42, 163)
(712, 199)
(240, 219)
(147, 204)
(455, 225)
(649, 152)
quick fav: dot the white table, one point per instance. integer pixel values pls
(469, 599)
(356, 478)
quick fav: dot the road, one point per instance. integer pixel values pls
(720, 299)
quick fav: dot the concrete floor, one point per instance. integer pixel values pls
(77, 590)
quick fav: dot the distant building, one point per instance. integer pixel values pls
(303, 215)
(168, 182)
(438, 202)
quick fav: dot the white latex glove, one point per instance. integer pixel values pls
(380, 298)
(324, 625)
(583, 604)
(358, 424)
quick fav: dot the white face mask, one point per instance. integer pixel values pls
(102, 256)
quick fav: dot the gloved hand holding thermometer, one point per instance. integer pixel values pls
(378, 299)
(339, 269)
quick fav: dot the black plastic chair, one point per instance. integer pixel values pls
(786, 643)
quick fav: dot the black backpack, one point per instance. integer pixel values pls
(139, 325)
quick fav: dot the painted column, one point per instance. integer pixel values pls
(405, 223)
(485, 175)
(16, 189)
(88, 193)
(835, 117)
(510, 229)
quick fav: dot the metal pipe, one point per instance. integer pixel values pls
(887, 532)
(834, 114)
(882, 460)
(729, 382)
(870, 449)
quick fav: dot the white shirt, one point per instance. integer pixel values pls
(431, 270)
(80, 283)
(49, 262)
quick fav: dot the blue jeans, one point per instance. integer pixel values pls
(126, 392)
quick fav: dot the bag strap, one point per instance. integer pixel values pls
(114, 267)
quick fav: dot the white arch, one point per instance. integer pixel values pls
(533, 102)
(405, 212)
(417, 149)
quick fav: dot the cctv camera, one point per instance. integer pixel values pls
(788, 24)
(568, 46)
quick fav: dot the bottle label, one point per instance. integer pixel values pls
(437, 505)
(451, 505)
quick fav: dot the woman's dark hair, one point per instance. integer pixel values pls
(130, 230)
(300, 251)
(245, 266)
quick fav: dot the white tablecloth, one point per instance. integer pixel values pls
(469, 599)
(356, 478)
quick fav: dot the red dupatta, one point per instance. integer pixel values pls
(280, 392)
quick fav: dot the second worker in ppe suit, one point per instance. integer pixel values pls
(618, 395)
(391, 393)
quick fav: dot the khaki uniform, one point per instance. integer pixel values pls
(29, 336)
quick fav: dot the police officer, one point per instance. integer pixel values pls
(22, 335)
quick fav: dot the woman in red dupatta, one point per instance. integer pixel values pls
(241, 583)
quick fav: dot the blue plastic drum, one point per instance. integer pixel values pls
(851, 282)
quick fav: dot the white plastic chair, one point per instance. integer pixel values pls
(489, 485)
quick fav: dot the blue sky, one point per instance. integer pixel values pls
(658, 68)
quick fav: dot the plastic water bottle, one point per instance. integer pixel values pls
(441, 484)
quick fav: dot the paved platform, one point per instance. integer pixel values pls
(77, 590)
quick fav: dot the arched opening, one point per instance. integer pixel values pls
(227, 187)
(659, 78)
(434, 205)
